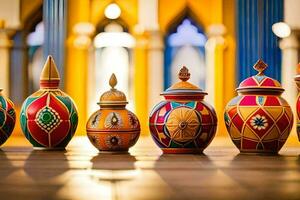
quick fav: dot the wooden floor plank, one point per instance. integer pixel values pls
(81, 172)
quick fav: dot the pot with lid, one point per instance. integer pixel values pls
(259, 120)
(113, 128)
(183, 122)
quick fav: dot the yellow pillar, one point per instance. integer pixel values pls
(5, 45)
(77, 62)
(220, 79)
(141, 82)
(217, 72)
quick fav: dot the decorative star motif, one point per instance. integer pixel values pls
(47, 119)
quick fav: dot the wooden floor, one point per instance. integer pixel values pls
(82, 173)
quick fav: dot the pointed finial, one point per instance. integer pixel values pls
(184, 74)
(260, 66)
(50, 75)
(113, 81)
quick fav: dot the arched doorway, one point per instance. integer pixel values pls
(112, 53)
(20, 80)
(35, 41)
(184, 45)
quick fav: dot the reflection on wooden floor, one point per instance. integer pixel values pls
(82, 173)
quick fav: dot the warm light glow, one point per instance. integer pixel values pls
(82, 42)
(112, 11)
(121, 39)
(281, 29)
(84, 28)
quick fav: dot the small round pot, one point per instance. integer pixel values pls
(113, 128)
(184, 122)
(259, 120)
(7, 118)
(297, 80)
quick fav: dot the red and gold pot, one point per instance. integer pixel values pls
(183, 122)
(7, 118)
(297, 80)
(113, 128)
(259, 120)
(49, 116)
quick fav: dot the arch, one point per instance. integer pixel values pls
(187, 38)
(19, 56)
(186, 12)
(111, 57)
(203, 12)
(128, 12)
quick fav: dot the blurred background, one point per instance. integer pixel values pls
(145, 42)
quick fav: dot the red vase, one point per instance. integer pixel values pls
(297, 80)
(259, 120)
(184, 122)
(49, 116)
(7, 118)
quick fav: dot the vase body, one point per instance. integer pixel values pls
(113, 128)
(7, 118)
(259, 120)
(183, 127)
(49, 117)
(258, 123)
(297, 80)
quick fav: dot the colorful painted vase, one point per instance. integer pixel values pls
(7, 118)
(297, 80)
(113, 128)
(184, 122)
(259, 120)
(49, 116)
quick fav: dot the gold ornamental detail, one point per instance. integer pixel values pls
(183, 124)
(260, 66)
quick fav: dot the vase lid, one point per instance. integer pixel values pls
(113, 97)
(183, 87)
(50, 76)
(260, 82)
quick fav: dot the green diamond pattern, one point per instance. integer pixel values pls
(48, 119)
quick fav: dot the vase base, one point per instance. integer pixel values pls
(114, 152)
(181, 151)
(49, 148)
(255, 152)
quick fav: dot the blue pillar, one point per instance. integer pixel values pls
(248, 43)
(18, 68)
(54, 16)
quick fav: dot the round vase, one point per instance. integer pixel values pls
(113, 128)
(259, 120)
(7, 118)
(49, 116)
(184, 122)
(297, 80)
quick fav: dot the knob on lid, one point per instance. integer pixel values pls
(260, 82)
(113, 96)
(183, 87)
